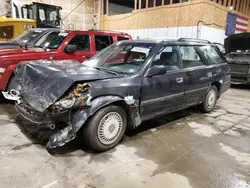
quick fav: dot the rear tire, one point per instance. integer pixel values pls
(105, 129)
(210, 100)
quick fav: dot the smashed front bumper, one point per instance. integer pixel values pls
(57, 123)
(58, 116)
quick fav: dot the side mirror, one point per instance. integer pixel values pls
(70, 49)
(157, 70)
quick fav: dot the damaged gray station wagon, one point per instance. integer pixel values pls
(123, 85)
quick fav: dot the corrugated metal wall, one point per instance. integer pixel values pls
(204, 32)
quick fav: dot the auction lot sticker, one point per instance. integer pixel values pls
(140, 49)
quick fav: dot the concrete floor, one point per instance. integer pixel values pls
(182, 150)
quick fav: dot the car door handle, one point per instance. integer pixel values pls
(179, 80)
(209, 74)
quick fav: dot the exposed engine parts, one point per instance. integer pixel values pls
(78, 98)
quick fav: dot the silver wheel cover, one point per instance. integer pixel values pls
(211, 98)
(109, 128)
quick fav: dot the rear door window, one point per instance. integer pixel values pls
(102, 41)
(82, 42)
(190, 57)
(119, 38)
(211, 54)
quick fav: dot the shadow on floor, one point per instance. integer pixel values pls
(240, 86)
(40, 137)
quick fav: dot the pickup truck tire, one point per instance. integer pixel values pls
(105, 129)
(210, 100)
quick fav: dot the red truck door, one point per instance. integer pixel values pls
(84, 49)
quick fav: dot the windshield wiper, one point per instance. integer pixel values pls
(106, 70)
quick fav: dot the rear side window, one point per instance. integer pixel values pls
(82, 42)
(211, 54)
(102, 41)
(119, 38)
(190, 57)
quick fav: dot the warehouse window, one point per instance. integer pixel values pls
(166, 2)
(102, 42)
(159, 2)
(143, 4)
(150, 3)
(82, 42)
(176, 1)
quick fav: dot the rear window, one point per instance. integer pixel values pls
(211, 54)
(119, 38)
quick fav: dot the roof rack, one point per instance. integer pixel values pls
(110, 31)
(194, 40)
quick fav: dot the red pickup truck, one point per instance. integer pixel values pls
(58, 45)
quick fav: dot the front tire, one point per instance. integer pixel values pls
(105, 129)
(210, 100)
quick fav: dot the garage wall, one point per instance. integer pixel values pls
(118, 9)
(203, 32)
(5, 7)
(81, 18)
(174, 15)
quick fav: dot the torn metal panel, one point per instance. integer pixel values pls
(61, 137)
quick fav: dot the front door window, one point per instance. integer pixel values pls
(169, 57)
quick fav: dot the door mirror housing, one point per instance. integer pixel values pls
(157, 70)
(70, 49)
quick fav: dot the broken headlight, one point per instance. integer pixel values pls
(78, 98)
(65, 103)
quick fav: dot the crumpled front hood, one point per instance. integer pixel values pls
(44, 82)
(15, 52)
(237, 42)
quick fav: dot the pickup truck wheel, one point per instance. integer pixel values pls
(210, 100)
(105, 129)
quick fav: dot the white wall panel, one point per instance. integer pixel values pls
(208, 33)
